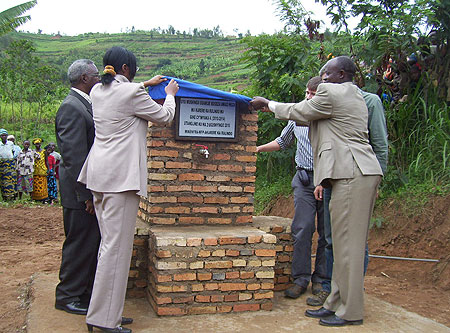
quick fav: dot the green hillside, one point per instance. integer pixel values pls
(212, 61)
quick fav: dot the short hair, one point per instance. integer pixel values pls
(313, 83)
(78, 68)
(346, 64)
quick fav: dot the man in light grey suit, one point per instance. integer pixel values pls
(344, 160)
(74, 127)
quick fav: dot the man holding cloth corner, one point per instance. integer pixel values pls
(344, 160)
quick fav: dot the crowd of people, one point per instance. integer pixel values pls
(33, 172)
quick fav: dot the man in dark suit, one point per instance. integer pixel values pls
(74, 126)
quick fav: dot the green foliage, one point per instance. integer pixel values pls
(11, 18)
(266, 191)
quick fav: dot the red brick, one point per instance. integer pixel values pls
(221, 157)
(216, 200)
(232, 253)
(177, 210)
(210, 241)
(191, 220)
(232, 286)
(204, 188)
(209, 167)
(173, 144)
(170, 311)
(162, 220)
(231, 240)
(140, 283)
(179, 289)
(163, 254)
(248, 209)
(218, 178)
(289, 248)
(154, 199)
(217, 298)
(163, 278)
(250, 169)
(249, 116)
(251, 128)
(155, 209)
(249, 189)
(253, 138)
(153, 188)
(232, 275)
(244, 219)
(283, 258)
(250, 179)
(245, 158)
(224, 308)
(219, 220)
(230, 167)
(267, 306)
(283, 279)
(163, 153)
(208, 210)
(185, 277)
(155, 143)
(202, 310)
(253, 286)
(203, 298)
(265, 253)
(230, 209)
(285, 237)
(240, 200)
(218, 264)
(187, 299)
(211, 286)
(179, 188)
(190, 176)
(247, 275)
(194, 241)
(263, 295)
(245, 307)
(163, 300)
(204, 276)
(139, 241)
(232, 298)
(267, 286)
(155, 164)
(190, 199)
(204, 253)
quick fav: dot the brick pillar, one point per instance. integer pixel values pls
(186, 188)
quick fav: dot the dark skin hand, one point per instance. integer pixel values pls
(90, 207)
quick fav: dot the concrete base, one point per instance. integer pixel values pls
(287, 316)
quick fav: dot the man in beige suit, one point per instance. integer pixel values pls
(116, 173)
(344, 160)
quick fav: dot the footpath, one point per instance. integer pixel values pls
(287, 316)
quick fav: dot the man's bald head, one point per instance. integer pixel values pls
(338, 70)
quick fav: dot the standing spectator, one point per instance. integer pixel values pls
(7, 168)
(57, 157)
(40, 191)
(306, 206)
(16, 151)
(121, 110)
(25, 169)
(51, 179)
(75, 133)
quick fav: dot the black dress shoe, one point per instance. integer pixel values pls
(337, 321)
(118, 329)
(320, 313)
(72, 307)
(126, 321)
(295, 291)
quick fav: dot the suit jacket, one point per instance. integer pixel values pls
(75, 133)
(337, 117)
(117, 161)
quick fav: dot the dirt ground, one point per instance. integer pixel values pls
(31, 240)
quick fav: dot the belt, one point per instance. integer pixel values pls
(300, 168)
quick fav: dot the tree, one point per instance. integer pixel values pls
(12, 18)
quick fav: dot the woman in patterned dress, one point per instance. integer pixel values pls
(40, 191)
(51, 175)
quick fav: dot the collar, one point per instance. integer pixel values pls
(121, 78)
(83, 94)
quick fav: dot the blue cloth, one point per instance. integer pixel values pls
(194, 90)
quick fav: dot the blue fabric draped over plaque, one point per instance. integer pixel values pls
(194, 90)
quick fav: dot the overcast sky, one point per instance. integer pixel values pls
(73, 17)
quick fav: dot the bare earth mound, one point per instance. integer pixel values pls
(419, 287)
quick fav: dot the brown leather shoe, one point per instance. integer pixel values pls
(295, 291)
(319, 299)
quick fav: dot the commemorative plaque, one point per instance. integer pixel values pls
(206, 119)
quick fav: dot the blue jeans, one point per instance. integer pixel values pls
(326, 282)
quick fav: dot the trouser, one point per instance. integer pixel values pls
(326, 282)
(351, 208)
(303, 227)
(116, 215)
(79, 256)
